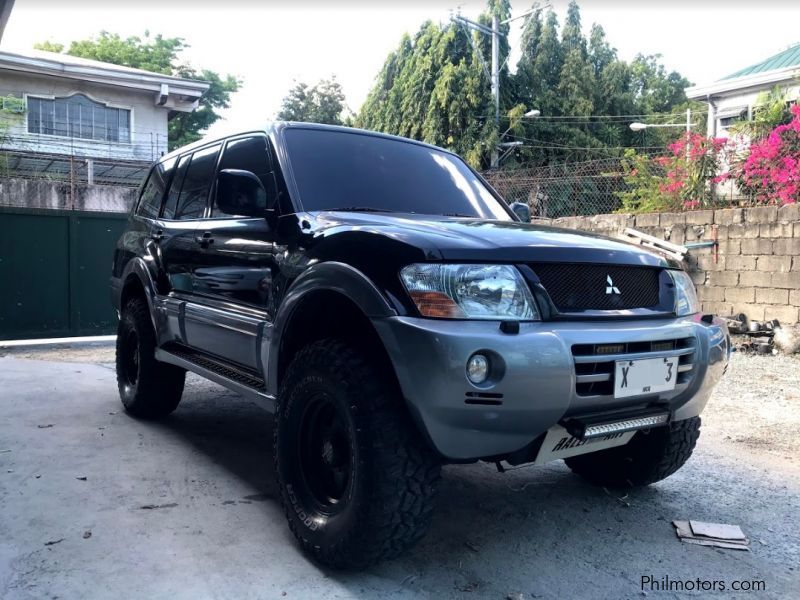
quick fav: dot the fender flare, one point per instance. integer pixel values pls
(137, 268)
(328, 276)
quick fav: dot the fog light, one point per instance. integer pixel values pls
(477, 368)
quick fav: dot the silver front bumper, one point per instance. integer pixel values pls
(537, 386)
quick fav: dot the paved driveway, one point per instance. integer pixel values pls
(94, 504)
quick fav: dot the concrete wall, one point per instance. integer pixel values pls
(40, 193)
(757, 270)
(148, 121)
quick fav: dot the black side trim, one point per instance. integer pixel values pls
(239, 374)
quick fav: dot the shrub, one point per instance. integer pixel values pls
(769, 173)
(677, 180)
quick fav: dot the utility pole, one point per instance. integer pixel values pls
(496, 82)
(494, 32)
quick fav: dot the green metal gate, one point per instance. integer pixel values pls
(54, 272)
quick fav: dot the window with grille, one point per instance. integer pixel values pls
(79, 117)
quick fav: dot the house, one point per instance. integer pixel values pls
(732, 98)
(56, 104)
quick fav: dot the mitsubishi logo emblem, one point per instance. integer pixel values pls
(611, 288)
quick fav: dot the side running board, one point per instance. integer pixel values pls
(239, 380)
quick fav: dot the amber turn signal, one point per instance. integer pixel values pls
(436, 304)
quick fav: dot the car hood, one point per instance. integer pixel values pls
(451, 238)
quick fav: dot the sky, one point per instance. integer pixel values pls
(273, 44)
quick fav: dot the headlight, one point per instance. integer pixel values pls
(686, 302)
(469, 292)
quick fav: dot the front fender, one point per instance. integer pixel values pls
(328, 276)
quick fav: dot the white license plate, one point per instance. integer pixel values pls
(646, 376)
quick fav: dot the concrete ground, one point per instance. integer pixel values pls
(94, 504)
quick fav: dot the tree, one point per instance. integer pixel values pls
(434, 88)
(322, 103)
(159, 55)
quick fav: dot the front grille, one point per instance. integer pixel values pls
(594, 372)
(577, 287)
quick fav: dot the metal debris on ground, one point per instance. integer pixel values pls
(471, 546)
(81, 478)
(719, 535)
(54, 542)
(759, 337)
(621, 499)
(157, 506)
(87, 534)
(47, 426)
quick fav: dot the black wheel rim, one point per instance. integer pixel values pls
(130, 358)
(325, 454)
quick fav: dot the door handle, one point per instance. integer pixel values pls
(204, 240)
(157, 235)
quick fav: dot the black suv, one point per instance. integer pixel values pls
(382, 300)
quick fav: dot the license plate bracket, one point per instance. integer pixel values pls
(645, 376)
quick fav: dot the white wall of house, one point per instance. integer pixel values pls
(745, 100)
(148, 139)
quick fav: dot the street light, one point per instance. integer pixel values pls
(642, 126)
(508, 147)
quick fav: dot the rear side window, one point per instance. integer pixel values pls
(249, 154)
(153, 191)
(196, 183)
(171, 202)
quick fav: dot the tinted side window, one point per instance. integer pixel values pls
(196, 183)
(153, 191)
(171, 202)
(249, 154)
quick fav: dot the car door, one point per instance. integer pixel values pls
(233, 272)
(184, 209)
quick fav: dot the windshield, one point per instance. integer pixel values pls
(355, 171)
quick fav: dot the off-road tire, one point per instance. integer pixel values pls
(651, 456)
(148, 388)
(392, 473)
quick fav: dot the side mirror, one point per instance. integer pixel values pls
(522, 210)
(241, 193)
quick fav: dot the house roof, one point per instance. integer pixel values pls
(781, 68)
(788, 58)
(174, 93)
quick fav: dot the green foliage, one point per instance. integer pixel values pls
(159, 55)
(321, 103)
(11, 105)
(433, 87)
(679, 180)
(644, 179)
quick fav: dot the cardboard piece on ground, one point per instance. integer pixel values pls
(684, 531)
(717, 530)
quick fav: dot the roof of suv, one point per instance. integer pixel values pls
(276, 126)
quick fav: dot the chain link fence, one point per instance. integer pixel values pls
(563, 190)
(589, 188)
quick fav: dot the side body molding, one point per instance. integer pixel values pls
(326, 276)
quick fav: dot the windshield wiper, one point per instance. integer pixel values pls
(361, 209)
(458, 215)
